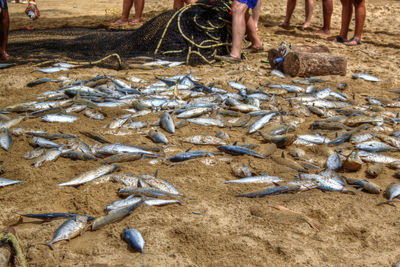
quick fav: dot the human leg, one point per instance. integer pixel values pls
(178, 4)
(256, 14)
(327, 9)
(309, 7)
(347, 11)
(291, 4)
(251, 32)
(139, 6)
(360, 13)
(4, 27)
(238, 27)
(126, 9)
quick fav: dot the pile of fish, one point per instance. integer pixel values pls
(347, 134)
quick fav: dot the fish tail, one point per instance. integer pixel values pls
(388, 202)
(48, 244)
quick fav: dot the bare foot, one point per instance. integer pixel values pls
(119, 22)
(305, 26)
(322, 32)
(284, 24)
(353, 42)
(4, 56)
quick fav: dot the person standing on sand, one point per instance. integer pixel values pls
(347, 11)
(242, 23)
(5, 25)
(126, 9)
(291, 4)
(327, 9)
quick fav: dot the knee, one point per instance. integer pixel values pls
(238, 8)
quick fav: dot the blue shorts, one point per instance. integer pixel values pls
(3, 4)
(251, 3)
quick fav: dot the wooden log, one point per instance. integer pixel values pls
(310, 48)
(272, 55)
(314, 64)
(307, 48)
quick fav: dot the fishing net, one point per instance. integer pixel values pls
(193, 34)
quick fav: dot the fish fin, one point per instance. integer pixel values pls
(235, 143)
(390, 202)
(275, 183)
(48, 244)
(188, 149)
(155, 174)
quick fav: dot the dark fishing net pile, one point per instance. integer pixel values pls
(193, 34)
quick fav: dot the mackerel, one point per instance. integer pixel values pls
(90, 175)
(68, 230)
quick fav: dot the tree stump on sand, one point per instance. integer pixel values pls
(314, 64)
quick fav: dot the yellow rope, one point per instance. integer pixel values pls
(16, 247)
(84, 63)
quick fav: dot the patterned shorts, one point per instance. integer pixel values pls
(251, 3)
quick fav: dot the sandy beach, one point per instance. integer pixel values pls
(211, 227)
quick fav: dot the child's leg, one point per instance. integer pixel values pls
(360, 12)
(4, 27)
(139, 6)
(291, 4)
(309, 7)
(347, 12)
(327, 9)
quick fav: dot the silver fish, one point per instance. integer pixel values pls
(114, 216)
(5, 182)
(278, 73)
(376, 157)
(157, 137)
(5, 139)
(49, 155)
(206, 122)
(258, 124)
(374, 146)
(52, 69)
(117, 148)
(90, 175)
(334, 163)
(264, 179)
(59, 118)
(37, 152)
(366, 77)
(391, 192)
(196, 112)
(115, 124)
(69, 229)
(160, 202)
(204, 140)
(129, 201)
(167, 123)
(93, 115)
(43, 142)
(237, 86)
(134, 239)
(288, 88)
